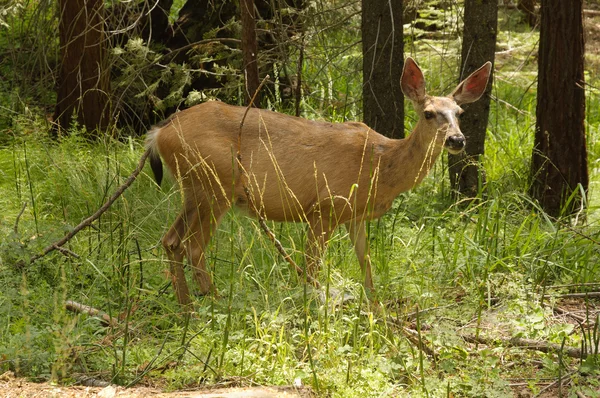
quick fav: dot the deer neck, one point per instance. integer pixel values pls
(411, 159)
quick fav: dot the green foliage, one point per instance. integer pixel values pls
(144, 79)
(28, 55)
(481, 268)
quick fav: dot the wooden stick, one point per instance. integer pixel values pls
(580, 295)
(573, 285)
(74, 306)
(88, 221)
(579, 318)
(527, 344)
(16, 227)
(413, 337)
(66, 251)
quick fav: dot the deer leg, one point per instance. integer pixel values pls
(172, 242)
(319, 231)
(358, 236)
(201, 229)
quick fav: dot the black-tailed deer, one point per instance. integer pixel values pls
(293, 169)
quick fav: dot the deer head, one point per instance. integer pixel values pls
(441, 115)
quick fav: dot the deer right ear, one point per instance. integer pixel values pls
(473, 87)
(412, 81)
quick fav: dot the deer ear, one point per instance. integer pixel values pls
(473, 87)
(412, 81)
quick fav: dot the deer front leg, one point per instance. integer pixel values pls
(358, 235)
(200, 232)
(319, 231)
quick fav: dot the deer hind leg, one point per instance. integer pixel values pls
(201, 228)
(358, 236)
(173, 244)
(319, 232)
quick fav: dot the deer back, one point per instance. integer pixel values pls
(292, 166)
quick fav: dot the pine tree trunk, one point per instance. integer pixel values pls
(383, 59)
(559, 161)
(478, 47)
(527, 7)
(84, 83)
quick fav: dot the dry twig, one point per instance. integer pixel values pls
(580, 295)
(16, 227)
(107, 320)
(578, 318)
(573, 285)
(527, 344)
(414, 337)
(88, 221)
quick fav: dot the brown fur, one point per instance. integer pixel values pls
(321, 173)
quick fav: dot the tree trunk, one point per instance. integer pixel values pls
(249, 50)
(383, 59)
(559, 161)
(527, 7)
(478, 47)
(84, 80)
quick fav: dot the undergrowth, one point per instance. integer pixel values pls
(443, 269)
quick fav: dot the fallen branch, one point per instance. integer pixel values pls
(578, 318)
(579, 285)
(527, 344)
(591, 13)
(414, 337)
(16, 227)
(91, 382)
(580, 295)
(107, 320)
(88, 221)
(66, 251)
(556, 383)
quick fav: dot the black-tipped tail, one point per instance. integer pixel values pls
(157, 167)
(155, 162)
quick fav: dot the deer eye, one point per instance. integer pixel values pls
(429, 115)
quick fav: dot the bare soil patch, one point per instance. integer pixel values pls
(13, 387)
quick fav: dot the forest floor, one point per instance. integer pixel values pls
(565, 311)
(12, 387)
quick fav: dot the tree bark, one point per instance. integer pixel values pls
(84, 83)
(249, 51)
(383, 59)
(559, 162)
(527, 7)
(478, 47)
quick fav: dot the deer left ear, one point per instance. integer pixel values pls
(412, 81)
(473, 87)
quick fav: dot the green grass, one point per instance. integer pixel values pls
(267, 327)
(481, 269)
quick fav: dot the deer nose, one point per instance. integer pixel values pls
(455, 142)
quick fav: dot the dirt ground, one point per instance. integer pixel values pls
(12, 387)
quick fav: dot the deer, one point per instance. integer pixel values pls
(290, 169)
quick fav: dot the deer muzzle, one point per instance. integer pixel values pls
(455, 143)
